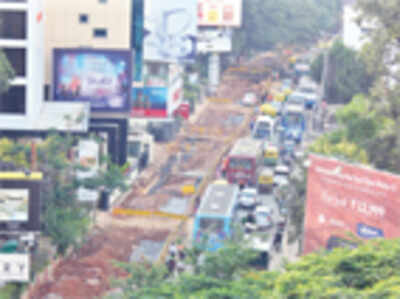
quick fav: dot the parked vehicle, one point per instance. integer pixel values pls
(265, 181)
(248, 198)
(250, 99)
(242, 163)
(215, 216)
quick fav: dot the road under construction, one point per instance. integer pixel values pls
(160, 204)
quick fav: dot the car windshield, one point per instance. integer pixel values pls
(240, 164)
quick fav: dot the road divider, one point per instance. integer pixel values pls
(145, 213)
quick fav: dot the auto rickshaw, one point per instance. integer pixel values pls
(280, 97)
(265, 181)
(271, 154)
(268, 109)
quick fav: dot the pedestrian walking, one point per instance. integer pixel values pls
(278, 241)
(171, 265)
(173, 250)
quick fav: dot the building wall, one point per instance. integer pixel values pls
(64, 29)
(32, 44)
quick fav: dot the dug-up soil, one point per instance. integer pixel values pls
(86, 274)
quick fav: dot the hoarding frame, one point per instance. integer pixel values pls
(349, 203)
(33, 185)
(125, 55)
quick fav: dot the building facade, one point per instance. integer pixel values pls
(22, 41)
(101, 24)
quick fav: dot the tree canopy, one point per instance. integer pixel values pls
(370, 271)
(267, 23)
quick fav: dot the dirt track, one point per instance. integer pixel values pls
(86, 273)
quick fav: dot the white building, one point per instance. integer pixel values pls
(354, 35)
(22, 40)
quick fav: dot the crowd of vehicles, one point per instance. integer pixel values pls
(254, 172)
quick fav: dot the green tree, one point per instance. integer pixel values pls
(6, 73)
(267, 23)
(347, 75)
(370, 271)
(381, 55)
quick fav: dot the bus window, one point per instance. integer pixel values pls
(240, 164)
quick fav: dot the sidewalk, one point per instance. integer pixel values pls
(289, 253)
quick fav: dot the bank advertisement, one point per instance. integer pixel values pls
(149, 102)
(347, 203)
(220, 13)
(171, 29)
(14, 205)
(101, 77)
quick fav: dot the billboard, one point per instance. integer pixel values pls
(14, 267)
(20, 202)
(214, 41)
(220, 13)
(170, 30)
(344, 198)
(149, 102)
(14, 205)
(100, 77)
(89, 158)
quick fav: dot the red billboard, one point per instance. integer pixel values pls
(344, 198)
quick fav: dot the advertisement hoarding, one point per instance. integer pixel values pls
(220, 13)
(171, 30)
(344, 198)
(19, 203)
(14, 267)
(101, 77)
(14, 205)
(88, 157)
(149, 102)
(214, 41)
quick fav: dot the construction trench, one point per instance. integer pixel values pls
(192, 159)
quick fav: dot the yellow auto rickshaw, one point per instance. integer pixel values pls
(265, 181)
(280, 97)
(268, 109)
(271, 154)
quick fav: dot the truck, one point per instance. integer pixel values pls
(214, 219)
(243, 161)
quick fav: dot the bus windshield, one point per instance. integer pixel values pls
(240, 164)
(262, 133)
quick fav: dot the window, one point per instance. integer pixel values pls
(100, 32)
(83, 18)
(12, 25)
(102, 1)
(17, 59)
(13, 101)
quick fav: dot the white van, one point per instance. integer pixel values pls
(264, 128)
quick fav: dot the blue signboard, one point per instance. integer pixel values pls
(369, 232)
(149, 102)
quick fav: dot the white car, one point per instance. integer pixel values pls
(248, 198)
(281, 175)
(249, 99)
(263, 217)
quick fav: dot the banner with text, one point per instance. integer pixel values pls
(345, 200)
(220, 13)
